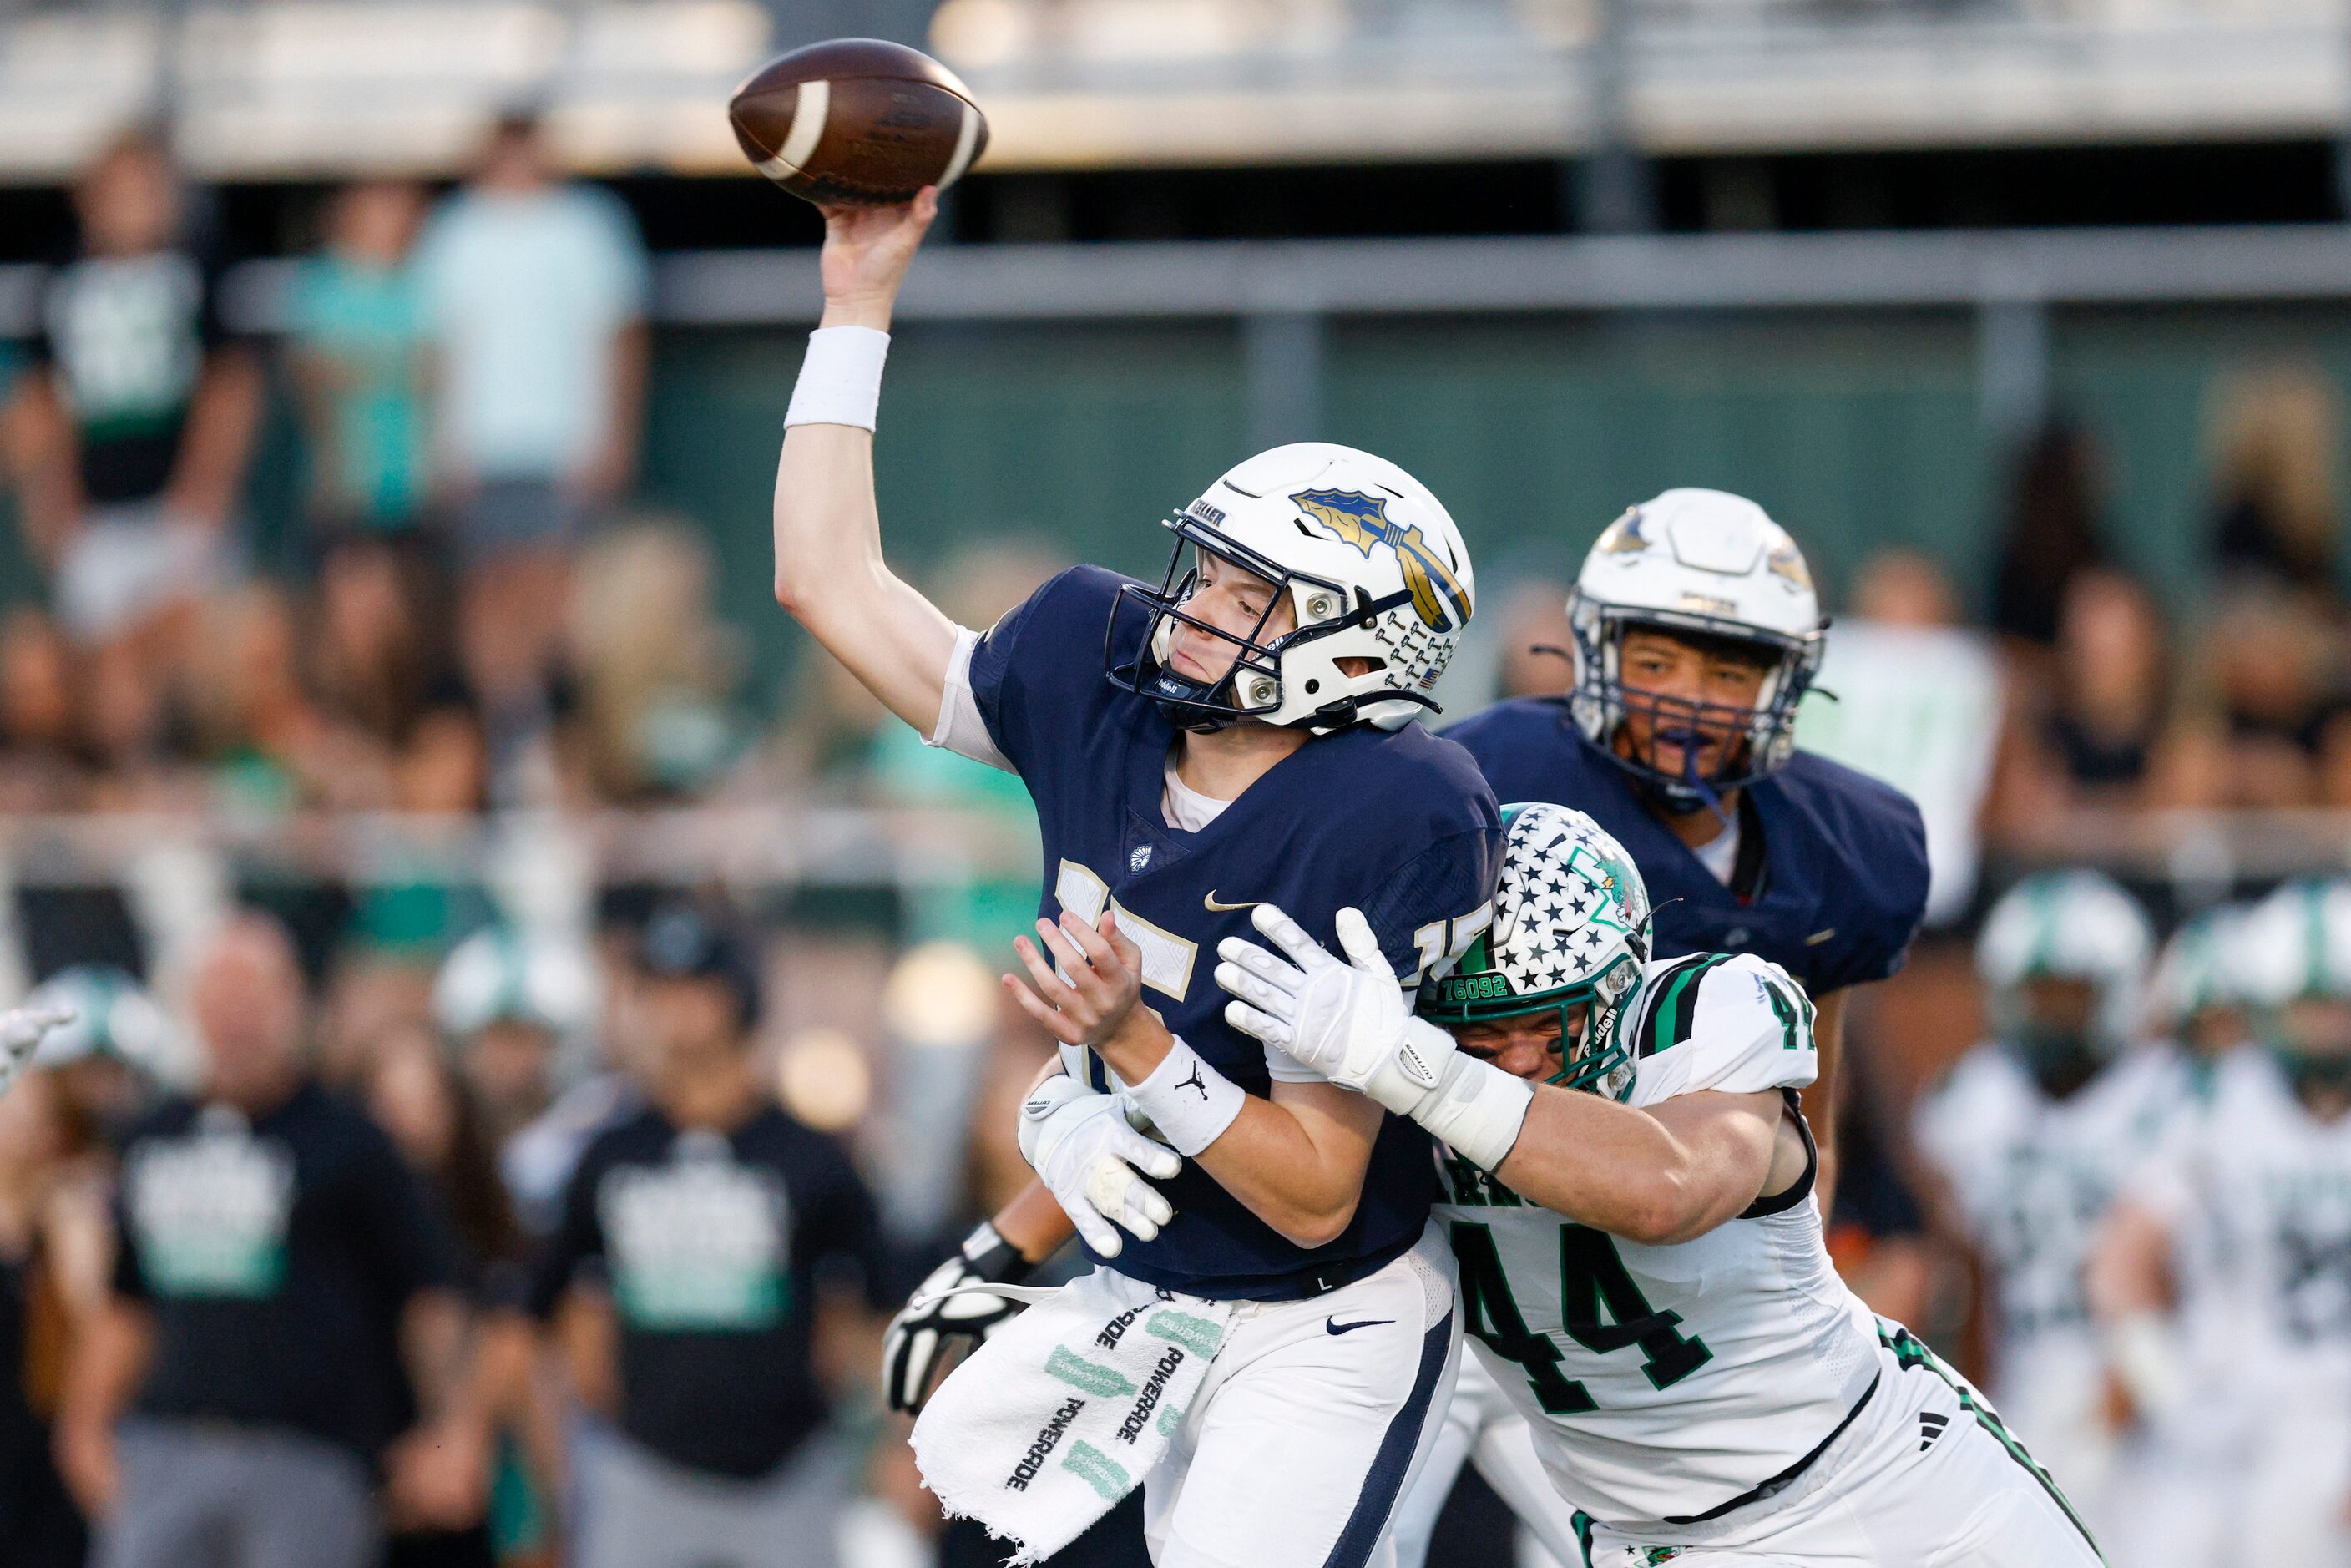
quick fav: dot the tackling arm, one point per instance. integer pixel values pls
(1667, 1174)
(830, 573)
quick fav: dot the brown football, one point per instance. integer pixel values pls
(858, 122)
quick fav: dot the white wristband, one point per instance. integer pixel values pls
(1477, 1110)
(840, 379)
(2146, 1356)
(1189, 1103)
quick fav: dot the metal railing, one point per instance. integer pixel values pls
(284, 87)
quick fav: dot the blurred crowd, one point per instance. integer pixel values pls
(545, 1217)
(468, 377)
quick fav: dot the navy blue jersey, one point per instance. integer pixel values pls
(1396, 823)
(1844, 857)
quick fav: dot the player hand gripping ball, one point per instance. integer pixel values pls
(933, 1323)
(1349, 1021)
(1081, 1144)
(21, 1030)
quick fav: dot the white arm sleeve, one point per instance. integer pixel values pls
(960, 728)
(1751, 1031)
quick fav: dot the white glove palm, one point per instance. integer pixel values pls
(21, 1030)
(1081, 1144)
(1351, 1022)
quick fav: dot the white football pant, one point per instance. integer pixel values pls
(1312, 1421)
(1926, 1476)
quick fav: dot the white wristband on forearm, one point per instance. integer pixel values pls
(840, 379)
(1477, 1110)
(1190, 1103)
(2146, 1356)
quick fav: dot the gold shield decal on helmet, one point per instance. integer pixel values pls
(1362, 521)
(1623, 537)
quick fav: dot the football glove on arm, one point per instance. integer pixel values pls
(927, 1328)
(21, 1030)
(1352, 1023)
(1080, 1143)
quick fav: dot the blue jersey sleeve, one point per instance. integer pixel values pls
(1037, 674)
(1883, 844)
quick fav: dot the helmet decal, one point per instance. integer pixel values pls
(1362, 521)
(1571, 929)
(1624, 535)
(1368, 631)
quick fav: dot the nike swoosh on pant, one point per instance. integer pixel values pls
(1332, 1326)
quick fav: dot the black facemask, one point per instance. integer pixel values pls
(2060, 1060)
(2326, 1072)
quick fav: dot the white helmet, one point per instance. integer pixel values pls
(2296, 944)
(1571, 925)
(2201, 968)
(1371, 566)
(2067, 925)
(1702, 563)
(113, 1016)
(500, 976)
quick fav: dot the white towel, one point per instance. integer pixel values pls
(1063, 1410)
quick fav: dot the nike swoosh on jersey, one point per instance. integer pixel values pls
(1332, 1326)
(1215, 908)
(1817, 937)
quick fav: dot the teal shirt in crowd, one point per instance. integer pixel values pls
(368, 323)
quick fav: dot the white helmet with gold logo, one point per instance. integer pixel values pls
(1705, 566)
(1369, 562)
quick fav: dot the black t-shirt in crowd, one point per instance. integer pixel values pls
(39, 1527)
(126, 337)
(276, 1257)
(712, 1247)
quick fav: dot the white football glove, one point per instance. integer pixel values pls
(1080, 1143)
(1351, 1022)
(21, 1030)
(927, 1327)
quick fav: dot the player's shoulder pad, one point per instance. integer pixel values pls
(1039, 666)
(1075, 601)
(1983, 1099)
(1875, 841)
(1516, 733)
(1406, 786)
(1732, 1022)
(1510, 719)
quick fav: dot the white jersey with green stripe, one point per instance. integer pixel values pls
(2031, 1177)
(2271, 1183)
(1663, 1383)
